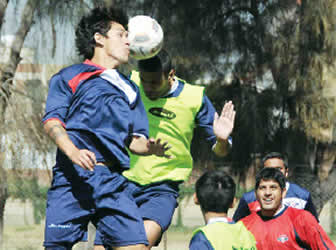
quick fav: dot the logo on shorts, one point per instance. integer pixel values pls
(161, 112)
(283, 238)
(59, 226)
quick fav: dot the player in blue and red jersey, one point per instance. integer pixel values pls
(277, 226)
(94, 113)
(296, 196)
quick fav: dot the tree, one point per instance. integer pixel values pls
(7, 71)
(245, 46)
(315, 107)
(32, 12)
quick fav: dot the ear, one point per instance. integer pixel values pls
(99, 39)
(233, 202)
(196, 199)
(171, 74)
(284, 192)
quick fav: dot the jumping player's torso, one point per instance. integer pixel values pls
(95, 105)
(173, 120)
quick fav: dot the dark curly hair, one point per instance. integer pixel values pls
(99, 20)
(161, 62)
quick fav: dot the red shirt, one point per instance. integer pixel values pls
(290, 229)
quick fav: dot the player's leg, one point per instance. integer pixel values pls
(117, 218)
(99, 247)
(68, 209)
(157, 204)
(153, 232)
(135, 247)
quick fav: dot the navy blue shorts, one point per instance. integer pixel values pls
(78, 196)
(156, 202)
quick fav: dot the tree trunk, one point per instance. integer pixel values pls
(3, 196)
(7, 70)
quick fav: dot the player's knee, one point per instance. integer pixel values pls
(132, 247)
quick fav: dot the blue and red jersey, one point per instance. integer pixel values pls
(296, 197)
(290, 229)
(100, 108)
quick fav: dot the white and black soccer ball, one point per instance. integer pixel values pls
(146, 37)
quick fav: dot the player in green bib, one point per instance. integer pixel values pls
(215, 193)
(174, 109)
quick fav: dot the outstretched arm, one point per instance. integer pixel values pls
(82, 157)
(222, 126)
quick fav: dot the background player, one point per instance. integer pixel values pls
(215, 192)
(277, 226)
(296, 196)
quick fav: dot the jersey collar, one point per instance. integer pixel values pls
(219, 219)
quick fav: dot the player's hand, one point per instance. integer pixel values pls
(223, 124)
(157, 148)
(84, 158)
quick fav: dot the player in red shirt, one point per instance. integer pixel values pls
(277, 226)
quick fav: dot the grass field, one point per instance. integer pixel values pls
(31, 238)
(21, 234)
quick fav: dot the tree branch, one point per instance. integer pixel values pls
(3, 6)
(8, 69)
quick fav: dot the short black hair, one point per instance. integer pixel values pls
(98, 20)
(278, 155)
(215, 191)
(270, 174)
(160, 63)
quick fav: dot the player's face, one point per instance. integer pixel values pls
(155, 84)
(270, 195)
(276, 163)
(116, 44)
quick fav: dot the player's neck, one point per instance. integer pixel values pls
(208, 216)
(104, 61)
(272, 213)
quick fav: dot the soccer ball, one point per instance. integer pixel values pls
(146, 37)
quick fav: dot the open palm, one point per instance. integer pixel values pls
(223, 124)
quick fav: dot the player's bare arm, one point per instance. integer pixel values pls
(142, 146)
(82, 157)
(222, 126)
